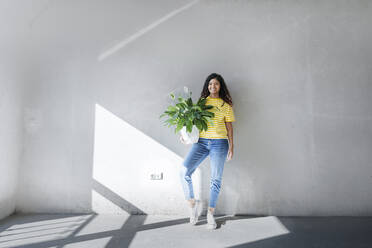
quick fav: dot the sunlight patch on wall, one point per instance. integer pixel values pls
(124, 160)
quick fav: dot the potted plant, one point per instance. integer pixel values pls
(187, 117)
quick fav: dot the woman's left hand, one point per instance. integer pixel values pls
(230, 154)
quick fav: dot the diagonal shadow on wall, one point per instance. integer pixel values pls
(116, 199)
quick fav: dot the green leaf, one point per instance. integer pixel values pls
(189, 102)
(172, 108)
(204, 125)
(189, 126)
(209, 114)
(207, 120)
(208, 107)
(180, 125)
(198, 124)
(202, 101)
(181, 105)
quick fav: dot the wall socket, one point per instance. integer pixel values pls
(156, 176)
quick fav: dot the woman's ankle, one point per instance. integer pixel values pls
(211, 210)
(192, 202)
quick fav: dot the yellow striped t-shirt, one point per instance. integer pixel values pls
(223, 113)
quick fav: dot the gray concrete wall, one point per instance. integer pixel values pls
(11, 139)
(299, 73)
(11, 90)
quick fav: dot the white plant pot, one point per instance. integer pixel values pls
(192, 137)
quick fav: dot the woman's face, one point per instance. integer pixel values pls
(214, 86)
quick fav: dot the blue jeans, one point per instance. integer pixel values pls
(217, 150)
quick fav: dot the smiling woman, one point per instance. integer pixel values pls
(217, 142)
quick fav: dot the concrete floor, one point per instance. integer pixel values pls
(174, 231)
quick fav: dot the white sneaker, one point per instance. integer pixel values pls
(211, 223)
(194, 214)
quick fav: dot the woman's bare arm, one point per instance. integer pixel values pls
(229, 128)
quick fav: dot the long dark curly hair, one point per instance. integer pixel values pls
(223, 93)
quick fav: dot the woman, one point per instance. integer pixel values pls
(217, 142)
